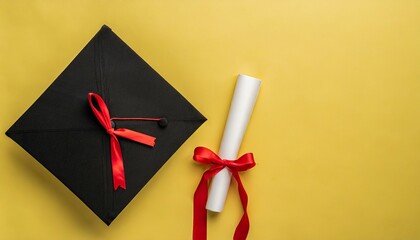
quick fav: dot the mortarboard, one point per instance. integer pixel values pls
(69, 129)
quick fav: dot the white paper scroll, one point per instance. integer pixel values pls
(243, 101)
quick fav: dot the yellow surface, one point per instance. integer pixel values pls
(335, 132)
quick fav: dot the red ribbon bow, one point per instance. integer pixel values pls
(206, 156)
(102, 114)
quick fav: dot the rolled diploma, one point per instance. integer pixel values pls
(243, 101)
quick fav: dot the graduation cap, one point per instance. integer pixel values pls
(106, 125)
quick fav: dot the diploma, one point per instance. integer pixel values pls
(243, 101)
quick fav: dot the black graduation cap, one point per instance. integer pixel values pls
(69, 132)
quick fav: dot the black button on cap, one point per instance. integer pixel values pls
(163, 122)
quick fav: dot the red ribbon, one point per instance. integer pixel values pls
(206, 156)
(102, 114)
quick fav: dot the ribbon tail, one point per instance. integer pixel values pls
(117, 164)
(200, 200)
(200, 213)
(242, 229)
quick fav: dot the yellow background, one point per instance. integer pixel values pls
(335, 131)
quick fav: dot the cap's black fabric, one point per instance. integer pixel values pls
(61, 132)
